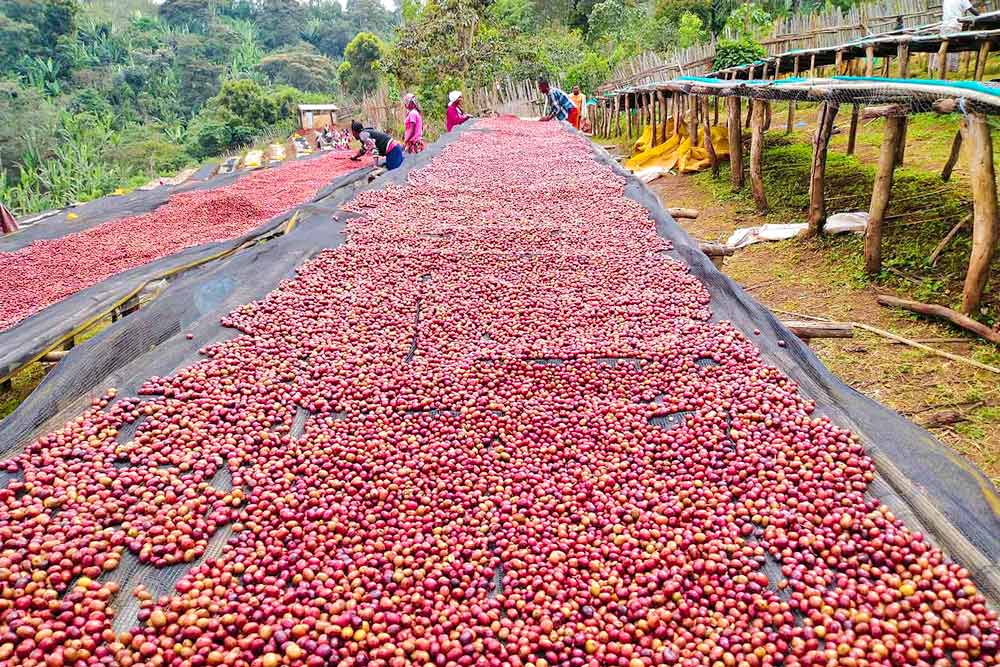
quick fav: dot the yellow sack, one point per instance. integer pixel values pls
(644, 142)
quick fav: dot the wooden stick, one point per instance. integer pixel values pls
(933, 258)
(715, 110)
(853, 134)
(956, 147)
(934, 310)
(735, 127)
(693, 121)
(925, 348)
(817, 172)
(942, 64)
(756, 156)
(869, 61)
(628, 114)
(899, 339)
(881, 192)
(986, 223)
(984, 53)
(791, 103)
(706, 128)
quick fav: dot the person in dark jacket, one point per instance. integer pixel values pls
(377, 143)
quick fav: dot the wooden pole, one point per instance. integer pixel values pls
(956, 146)
(713, 159)
(791, 103)
(984, 53)
(985, 219)
(628, 113)
(853, 135)
(942, 64)
(665, 105)
(903, 53)
(677, 113)
(735, 125)
(891, 136)
(715, 110)
(817, 172)
(756, 158)
(693, 121)
(869, 61)
(838, 63)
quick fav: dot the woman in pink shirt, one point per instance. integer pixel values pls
(455, 115)
(413, 137)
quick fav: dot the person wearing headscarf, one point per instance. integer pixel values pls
(455, 115)
(413, 136)
(558, 104)
(376, 142)
(8, 224)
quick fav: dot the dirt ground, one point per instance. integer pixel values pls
(958, 403)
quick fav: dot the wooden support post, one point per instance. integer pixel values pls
(869, 61)
(956, 147)
(984, 53)
(715, 110)
(677, 113)
(791, 103)
(942, 60)
(665, 115)
(713, 159)
(853, 135)
(735, 125)
(985, 219)
(817, 172)
(628, 113)
(767, 115)
(881, 191)
(756, 158)
(838, 63)
(693, 120)
(903, 54)
(812, 66)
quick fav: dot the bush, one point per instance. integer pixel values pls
(735, 52)
(589, 73)
(208, 136)
(146, 151)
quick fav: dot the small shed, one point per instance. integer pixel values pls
(317, 116)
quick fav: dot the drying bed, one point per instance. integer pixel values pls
(493, 427)
(59, 284)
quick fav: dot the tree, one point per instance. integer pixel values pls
(29, 123)
(247, 103)
(301, 68)
(589, 73)
(689, 31)
(194, 15)
(517, 14)
(34, 28)
(279, 21)
(358, 73)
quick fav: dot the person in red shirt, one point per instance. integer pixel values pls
(455, 115)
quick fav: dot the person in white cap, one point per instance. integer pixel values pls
(455, 114)
(413, 138)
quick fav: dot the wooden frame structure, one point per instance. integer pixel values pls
(689, 98)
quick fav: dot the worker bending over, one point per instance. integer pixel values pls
(377, 143)
(558, 104)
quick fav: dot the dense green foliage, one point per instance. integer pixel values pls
(131, 88)
(100, 94)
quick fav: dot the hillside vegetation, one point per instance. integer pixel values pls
(98, 95)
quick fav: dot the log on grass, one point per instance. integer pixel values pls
(690, 213)
(806, 329)
(942, 312)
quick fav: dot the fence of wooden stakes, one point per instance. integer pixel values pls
(877, 76)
